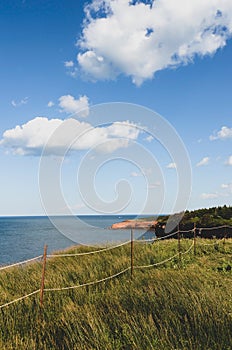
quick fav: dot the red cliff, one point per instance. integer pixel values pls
(140, 224)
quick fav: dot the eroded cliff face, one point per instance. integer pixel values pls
(159, 228)
(134, 224)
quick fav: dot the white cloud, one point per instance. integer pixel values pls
(171, 166)
(142, 172)
(71, 105)
(50, 104)
(209, 195)
(149, 138)
(30, 138)
(224, 133)
(71, 69)
(226, 192)
(140, 38)
(73, 72)
(68, 64)
(23, 101)
(227, 189)
(124, 129)
(204, 161)
(110, 145)
(96, 66)
(226, 185)
(229, 161)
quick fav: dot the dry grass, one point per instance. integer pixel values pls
(172, 306)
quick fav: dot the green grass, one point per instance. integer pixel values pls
(185, 305)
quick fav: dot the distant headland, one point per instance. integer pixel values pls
(219, 219)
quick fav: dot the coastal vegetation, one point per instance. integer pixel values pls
(206, 217)
(181, 304)
(203, 219)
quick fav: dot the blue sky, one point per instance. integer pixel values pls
(60, 57)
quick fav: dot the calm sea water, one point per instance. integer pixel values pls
(23, 238)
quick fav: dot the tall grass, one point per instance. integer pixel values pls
(185, 305)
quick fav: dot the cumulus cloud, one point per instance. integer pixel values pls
(23, 101)
(224, 133)
(72, 70)
(70, 105)
(204, 161)
(171, 166)
(68, 64)
(229, 161)
(73, 135)
(139, 38)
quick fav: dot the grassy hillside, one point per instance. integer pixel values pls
(185, 305)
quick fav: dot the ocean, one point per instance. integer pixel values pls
(22, 238)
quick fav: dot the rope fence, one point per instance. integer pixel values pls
(214, 228)
(207, 244)
(21, 298)
(88, 253)
(155, 264)
(93, 282)
(21, 262)
(190, 248)
(130, 268)
(88, 283)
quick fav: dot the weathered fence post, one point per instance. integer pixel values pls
(43, 275)
(132, 252)
(224, 240)
(194, 240)
(179, 247)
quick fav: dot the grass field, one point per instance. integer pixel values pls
(176, 305)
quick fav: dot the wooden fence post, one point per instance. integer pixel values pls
(43, 275)
(224, 240)
(179, 247)
(132, 253)
(194, 239)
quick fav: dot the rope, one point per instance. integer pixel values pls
(164, 261)
(159, 263)
(88, 283)
(20, 263)
(170, 234)
(145, 240)
(87, 253)
(212, 228)
(21, 298)
(208, 243)
(187, 251)
(156, 238)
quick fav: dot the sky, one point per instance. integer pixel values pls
(115, 106)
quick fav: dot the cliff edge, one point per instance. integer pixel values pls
(134, 224)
